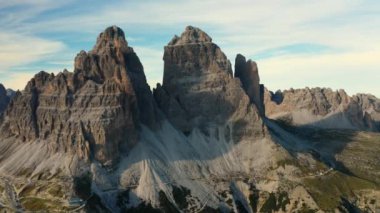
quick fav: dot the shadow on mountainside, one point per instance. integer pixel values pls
(345, 150)
(196, 141)
(208, 141)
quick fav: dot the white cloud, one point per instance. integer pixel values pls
(20, 47)
(246, 27)
(23, 10)
(17, 51)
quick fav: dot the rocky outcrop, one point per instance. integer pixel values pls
(191, 35)
(248, 74)
(198, 89)
(4, 98)
(318, 101)
(11, 93)
(324, 107)
(95, 111)
(228, 160)
(366, 107)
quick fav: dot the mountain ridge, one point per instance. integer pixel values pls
(99, 140)
(100, 77)
(325, 108)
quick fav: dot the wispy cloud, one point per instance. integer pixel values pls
(17, 51)
(308, 39)
(293, 49)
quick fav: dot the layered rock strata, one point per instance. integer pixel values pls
(324, 108)
(95, 111)
(199, 91)
(248, 74)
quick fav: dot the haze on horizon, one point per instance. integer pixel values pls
(295, 43)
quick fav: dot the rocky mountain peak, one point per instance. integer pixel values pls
(191, 35)
(2, 90)
(94, 112)
(94, 140)
(112, 37)
(110, 59)
(324, 108)
(39, 80)
(248, 74)
(4, 98)
(182, 57)
(198, 89)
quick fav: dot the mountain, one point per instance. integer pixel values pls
(248, 74)
(199, 91)
(91, 112)
(11, 93)
(207, 140)
(4, 98)
(325, 108)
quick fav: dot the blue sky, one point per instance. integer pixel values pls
(296, 43)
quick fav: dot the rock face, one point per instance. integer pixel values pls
(11, 93)
(324, 108)
(209, 151)
(248, 74)
(4, 98)
(198, 89)
(94, 112)
(366, 107)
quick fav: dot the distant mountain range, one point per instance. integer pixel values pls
(209, 139)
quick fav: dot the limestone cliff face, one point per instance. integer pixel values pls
(324, 108)
(199, 90)
(209, 152)
(95, 111)
(366, 107)
(248, 74)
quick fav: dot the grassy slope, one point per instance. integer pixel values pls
(328, 190)
(357, 151)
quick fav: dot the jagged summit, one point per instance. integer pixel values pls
(113, 56)
(93, 112)
(112, 37)
(39, 80)
(4, 98)
(248, 74)
(202, 144)
(324, 108)
(197, 78)
(191, 35)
